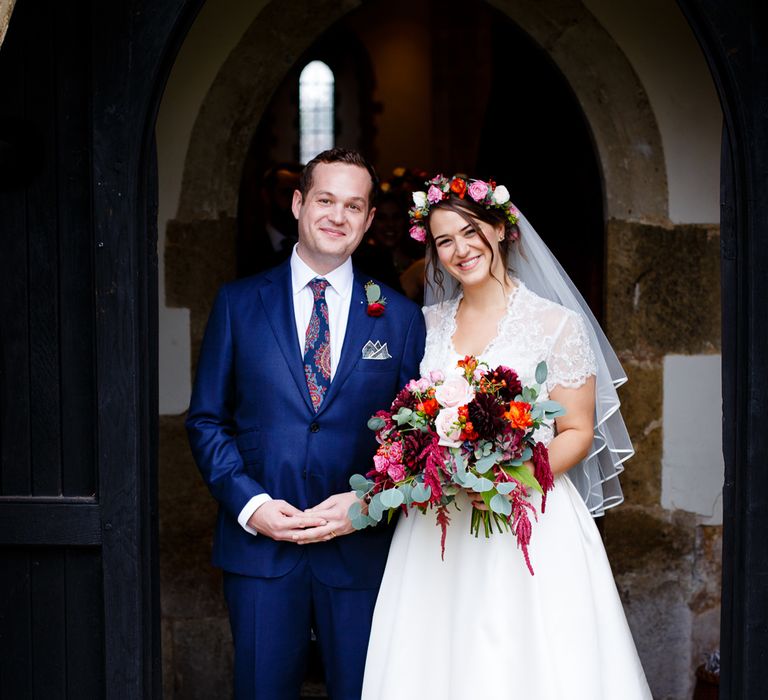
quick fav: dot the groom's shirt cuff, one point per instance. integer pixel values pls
(250, 508)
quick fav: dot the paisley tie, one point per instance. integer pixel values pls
(317, 346)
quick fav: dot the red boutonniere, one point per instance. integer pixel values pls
(376, 302)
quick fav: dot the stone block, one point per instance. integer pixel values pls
(190, 586)
(647, 546)
(661, 622)
(641, 406)
(199, 258)
(662, 289)
(708, 568)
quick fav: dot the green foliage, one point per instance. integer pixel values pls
(485, 463)
(524, 476)
(372, 292)
(500, 504)
(375, 423)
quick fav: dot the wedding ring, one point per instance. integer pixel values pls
(333, 533)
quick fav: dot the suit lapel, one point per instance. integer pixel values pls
(359, 329)
(277, 299)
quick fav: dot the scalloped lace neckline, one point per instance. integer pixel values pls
(452, 325)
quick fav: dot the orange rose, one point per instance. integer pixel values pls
(458, 186)
(430, 407)
(519, 415)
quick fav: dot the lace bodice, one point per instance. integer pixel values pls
(532, 330)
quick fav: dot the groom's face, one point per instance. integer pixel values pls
(334, 215)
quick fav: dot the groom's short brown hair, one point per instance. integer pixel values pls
(339, 155)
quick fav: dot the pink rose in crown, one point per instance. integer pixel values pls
(418, 233)
(477, 190)
(434, 194)
(447, 427)
(454, 392)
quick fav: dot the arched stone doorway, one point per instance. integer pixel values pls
(638, 231)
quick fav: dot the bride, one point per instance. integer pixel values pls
(478, 625)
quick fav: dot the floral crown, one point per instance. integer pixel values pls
(487, 194)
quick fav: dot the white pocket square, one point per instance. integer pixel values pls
(375, 350)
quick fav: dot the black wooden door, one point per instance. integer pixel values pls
(79, 87)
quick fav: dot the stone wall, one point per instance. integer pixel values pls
(197, 646)
(662, 297)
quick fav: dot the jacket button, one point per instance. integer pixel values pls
(314, 427)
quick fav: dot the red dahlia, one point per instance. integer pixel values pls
(486, 415)
(510, 382)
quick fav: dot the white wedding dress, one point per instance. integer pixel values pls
(478, 625)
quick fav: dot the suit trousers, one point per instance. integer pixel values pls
(272, 619)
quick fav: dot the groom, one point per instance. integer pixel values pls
(286, 382)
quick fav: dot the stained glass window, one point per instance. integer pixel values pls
(315, 110)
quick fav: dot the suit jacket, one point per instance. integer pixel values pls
(253, 430)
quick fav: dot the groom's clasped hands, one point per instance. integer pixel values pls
(281, 521)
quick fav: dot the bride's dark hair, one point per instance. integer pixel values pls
(471, 212)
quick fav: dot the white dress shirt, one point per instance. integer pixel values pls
(338, 296)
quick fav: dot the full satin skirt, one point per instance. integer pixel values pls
(478, 625)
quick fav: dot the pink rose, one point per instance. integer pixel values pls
(447, 427)
(454, 392)
(479, 373)
(436, 376)
(380, 463)
(434, 194)
(418, 233)
(396, 472)
(477, 190)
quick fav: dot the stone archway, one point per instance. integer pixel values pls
(629, 150)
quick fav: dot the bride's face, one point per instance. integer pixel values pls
(468, 251)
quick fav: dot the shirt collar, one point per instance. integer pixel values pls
(340, 279)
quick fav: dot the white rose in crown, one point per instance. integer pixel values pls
(420, 199)
(500, 195)
(454, 392)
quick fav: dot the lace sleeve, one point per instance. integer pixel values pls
(571, 359)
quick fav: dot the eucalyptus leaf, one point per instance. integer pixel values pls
(355, 510)
(541, 372)
(391, 498)
(372, 292)
(362, 521)
(450, 489)
(458, 459)
(505, 487)
(403, 415)
(375, 423)
(376, 508)
(500, 504)
(357, 482)
(482, 485)
(485, 463)
(421, 493)
(405, 490)
(470, 480)
(527, 454)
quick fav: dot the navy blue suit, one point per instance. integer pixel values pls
(253, 430)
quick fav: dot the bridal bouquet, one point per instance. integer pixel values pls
(473, 431)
